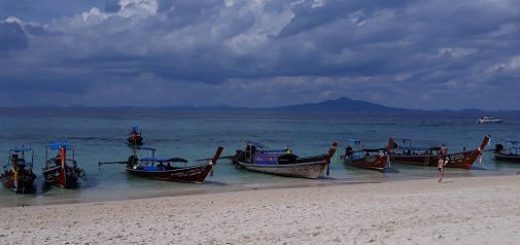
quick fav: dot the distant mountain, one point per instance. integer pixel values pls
(342, 104)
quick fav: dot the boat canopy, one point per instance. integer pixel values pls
(513, 147)
(373, 150)
(360, 148)
(57, 145)
(353, 141)
(265, 149)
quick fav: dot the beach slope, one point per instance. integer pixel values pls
(483, 210)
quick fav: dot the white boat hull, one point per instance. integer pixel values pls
(310, 170)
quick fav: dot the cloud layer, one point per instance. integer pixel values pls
(417, 54)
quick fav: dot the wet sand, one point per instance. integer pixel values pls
(481, 210)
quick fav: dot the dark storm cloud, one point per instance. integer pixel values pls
(433, 54)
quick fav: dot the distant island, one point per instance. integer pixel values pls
(340, 105)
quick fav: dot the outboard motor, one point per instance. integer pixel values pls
(348, 152)
(132, 161)
(499, 148)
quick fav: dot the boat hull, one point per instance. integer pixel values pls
(377, 163)
(196, 174)
(309, 170)
(507, 158)
(65, 179)
(490, 121)
(25, 182)
(462, 160)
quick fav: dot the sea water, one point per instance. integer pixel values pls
(99, 135)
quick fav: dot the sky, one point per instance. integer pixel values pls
(437, 54)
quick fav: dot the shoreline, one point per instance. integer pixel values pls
(215, 187)
(211, 189)
(461, 210)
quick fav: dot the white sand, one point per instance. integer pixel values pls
(484, 210)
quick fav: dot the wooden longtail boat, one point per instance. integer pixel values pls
(163, 169)
(376, 159)
(60, 170)
(430, 156)
(256, 158)
(18, 175)
(135, 138)
(509, 153)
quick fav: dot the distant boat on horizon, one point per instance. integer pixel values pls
(489, 120)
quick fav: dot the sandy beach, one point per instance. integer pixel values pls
(484, 210)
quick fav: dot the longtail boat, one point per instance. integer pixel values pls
(509, 152)
(135, 138)
(256, 158)
(376, 159)
(164, 169)
(61, 170)
(429, 156)
(18, 175)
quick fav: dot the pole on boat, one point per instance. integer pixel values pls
(484, 143)
(391, 144)
(32, 156)
(331, 152)
(215, 158)
(389, 148)
(63, 155)
(46, 157)
(480, 149)
(14, 161)
(328, 169)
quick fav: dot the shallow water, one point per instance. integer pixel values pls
(99, 135)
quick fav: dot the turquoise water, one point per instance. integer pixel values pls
(99, 135)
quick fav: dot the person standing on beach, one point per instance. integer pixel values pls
(441, 164)
(16, 175)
